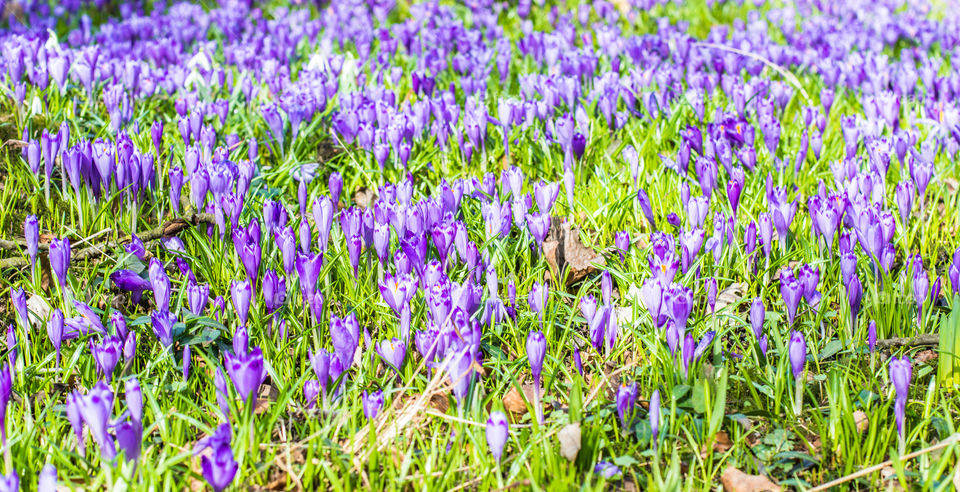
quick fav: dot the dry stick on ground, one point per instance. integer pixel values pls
(875, 468)
(168, 229)
(928, 339)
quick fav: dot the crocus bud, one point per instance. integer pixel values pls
(497, 432)
(19, 300)
(622, 241)
(757, 313)
(335, 185)
(219, 468)
(798, 353)
(372, 403)
(161, 285)
(872, 336)
(247, 372)
(60, 259)
(31, 232)
(626, 399)
(901, 372)
(711, 288)
(536, 350)
(186, 362)
(241, 293)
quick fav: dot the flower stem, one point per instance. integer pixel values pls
(798, 396)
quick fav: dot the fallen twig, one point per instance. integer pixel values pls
(928, 339)
(168, 229)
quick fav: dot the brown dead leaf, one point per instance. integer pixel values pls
(926, 356)
(735, 480)
(46, 275)
(722, 442)
(364, 197)
(731, 295)
(569, 438)
(39, 308)
(267, 395)
(514, 402)
(563, 250)
(861, 421)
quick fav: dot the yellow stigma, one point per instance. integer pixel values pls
(739, 129)
(663, 268)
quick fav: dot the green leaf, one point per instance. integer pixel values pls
(832, 348)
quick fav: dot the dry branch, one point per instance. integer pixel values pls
(168, 229)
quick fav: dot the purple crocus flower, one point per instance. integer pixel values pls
(185, 366)
(792, 291)
(646, 208)
(954, 272)
(903, 197)
(106, 355)
(757, 314)
(545, 194)
(921, 289)
(577, 362)
(160, 283)
(162, 323)
(539, 226)
(393, 352)
(651, 294)
(901, 372)
(872, 336)
(798, 353)
(247, 371)
(94, 409)
(6, 388)
(626, 399)
(686, 354)
(129, 438)
(345, 334)
(197, 297)
(60, 259)
(734, 188)
(765, 227)
(241, 293)
(372, 403)
(711, 288)
(536, 351)
(679, 303)
(539, 292)
(11, 482)
(497, 432)
(622, 241)
(31, 232)
(219, 468)
(19, 300)
(854, 296)
(55, 331)
(606, 470)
